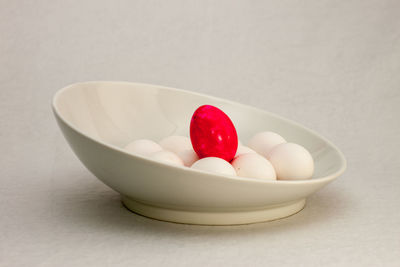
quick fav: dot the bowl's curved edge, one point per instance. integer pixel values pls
(325, 179)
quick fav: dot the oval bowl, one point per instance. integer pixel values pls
(99, 118)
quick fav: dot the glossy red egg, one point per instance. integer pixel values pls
(213, 134)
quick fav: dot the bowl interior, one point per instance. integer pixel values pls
(117, 113)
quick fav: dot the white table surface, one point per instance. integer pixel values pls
(333, 66)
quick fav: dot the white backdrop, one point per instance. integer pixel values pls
(333, 66)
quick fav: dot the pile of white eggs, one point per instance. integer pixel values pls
(266, 156)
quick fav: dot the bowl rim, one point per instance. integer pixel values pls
(314, 180)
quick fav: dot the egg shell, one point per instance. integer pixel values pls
(263, 142)
(143, 147)
(213, 134)
(243, 150)
(291, 162)
(188, 156)
(182, 147)
(176, 142)
(214, 164)
(254, 166)
(167, 157)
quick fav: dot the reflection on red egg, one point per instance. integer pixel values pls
(213, 134)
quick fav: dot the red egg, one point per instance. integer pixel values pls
(213, 134)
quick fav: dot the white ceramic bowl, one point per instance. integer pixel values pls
(99, 118)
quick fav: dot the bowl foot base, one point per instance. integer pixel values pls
(214, 218)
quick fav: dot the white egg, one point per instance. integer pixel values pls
(214, 164)
(188, 156)
(263, 142)
(167, 157)
(172, 142)
(254, 166)
(181, 146)
(291, 162)
(243, 150)
(143, 147)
